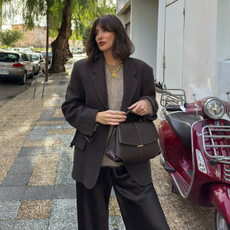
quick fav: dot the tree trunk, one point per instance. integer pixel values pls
(60, 44)
(70, 53)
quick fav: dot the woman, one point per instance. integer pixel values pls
(101, 89)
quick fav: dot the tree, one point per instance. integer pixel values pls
(87, 12)
(60, 15)
(60, 44)
(9, 37)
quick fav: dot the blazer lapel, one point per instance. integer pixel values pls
(99, 81)
(130, 83)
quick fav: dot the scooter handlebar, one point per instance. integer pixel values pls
(173, 108)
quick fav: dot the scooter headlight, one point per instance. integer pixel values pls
(214, 108)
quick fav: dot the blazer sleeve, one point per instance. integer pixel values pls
(74, 109)
(148, 92)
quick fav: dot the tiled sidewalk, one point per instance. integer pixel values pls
(36, 187)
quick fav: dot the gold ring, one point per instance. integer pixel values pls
(137, 109)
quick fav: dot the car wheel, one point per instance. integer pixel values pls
(220, 223)
(32, 74)
(23, 80)
(38, 70)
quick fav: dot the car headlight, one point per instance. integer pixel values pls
(214, 108)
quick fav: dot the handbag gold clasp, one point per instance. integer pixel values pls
(139, 146)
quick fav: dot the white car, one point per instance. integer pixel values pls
(16, 65)
(39, 62)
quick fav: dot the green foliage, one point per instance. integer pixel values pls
(86, 12)
(9, 37)
(86, 33)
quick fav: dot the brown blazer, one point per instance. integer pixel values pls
(86, 95)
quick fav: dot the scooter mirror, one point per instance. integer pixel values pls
(160, 86)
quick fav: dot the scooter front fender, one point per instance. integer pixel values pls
(220, 198)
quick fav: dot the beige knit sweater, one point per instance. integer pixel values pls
(115, 88)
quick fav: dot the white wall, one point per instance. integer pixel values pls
(204, 30)
(173, 45)
(144, 17)
(121, 6)
(206, 39)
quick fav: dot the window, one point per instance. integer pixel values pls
(7, 57)
(25, 57)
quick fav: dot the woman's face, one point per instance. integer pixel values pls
(104, 39)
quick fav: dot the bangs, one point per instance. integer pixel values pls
(103, 23)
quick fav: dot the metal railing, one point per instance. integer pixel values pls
(35, 84)
(173, 97)
(216, 142)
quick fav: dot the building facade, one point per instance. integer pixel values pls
(183, 40)
(35, 37)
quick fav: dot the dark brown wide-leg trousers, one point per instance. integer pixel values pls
(139, 205)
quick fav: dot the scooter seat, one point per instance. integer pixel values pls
(181, 124)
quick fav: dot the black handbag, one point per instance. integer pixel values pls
(133, 142)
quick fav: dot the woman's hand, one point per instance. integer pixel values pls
(110, 117)
(140, 108)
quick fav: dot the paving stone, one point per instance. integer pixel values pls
(41, 224)
(38, 150)
(49, 117)
(21, 167)
(116, 222)
(25, 160)
(65, 163)
(39, 178)
(12, 193)
(39, 130)
(9, 209)
(7, 225)
(39, 193)
(41, 137)
(66, 125)
(35, 209)
(43, 143)
(59, 122)
(58, 113)
(60, 131)
(114, 209)
(20, 179)
(63, 215)
(65, 192)
(64, 177)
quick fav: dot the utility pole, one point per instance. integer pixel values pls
(47, 43)
(0, 20)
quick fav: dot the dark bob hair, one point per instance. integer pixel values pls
(122, 45)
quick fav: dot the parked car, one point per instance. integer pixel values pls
(75, 50)
(50, 56)
(39, 62)
(17, 49)
(16, 66)
(27, 50)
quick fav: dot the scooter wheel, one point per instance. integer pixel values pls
(220, 222)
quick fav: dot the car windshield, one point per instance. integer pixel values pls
(34, 57)
(9, 57)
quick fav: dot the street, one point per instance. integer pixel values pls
(10, 89)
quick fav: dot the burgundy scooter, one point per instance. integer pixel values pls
(195, 145)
